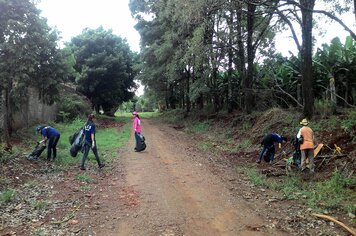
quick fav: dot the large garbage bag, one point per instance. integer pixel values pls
(141, 145)
(77, 141)
(36, 152)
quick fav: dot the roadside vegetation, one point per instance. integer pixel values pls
(19, 176)
(237, 137)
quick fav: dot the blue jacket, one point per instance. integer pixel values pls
(49, 132)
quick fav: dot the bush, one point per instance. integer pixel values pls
(72, 106)
(349, 124)
(323, 107)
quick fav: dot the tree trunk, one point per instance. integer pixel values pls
(247, 85)
(7, 127)
(230, 55)
(187, 93)
(306, 54)
(241, 50)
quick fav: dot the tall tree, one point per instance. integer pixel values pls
(29, 56)
(106, 70)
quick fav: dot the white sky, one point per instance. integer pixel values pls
(72, 16)
(325, 31)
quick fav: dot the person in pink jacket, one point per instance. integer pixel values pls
(137, 129)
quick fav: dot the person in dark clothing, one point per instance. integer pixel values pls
(90, 142)
(268, 145)
(50, 136)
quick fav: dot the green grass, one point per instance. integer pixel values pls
(108, 141)
(84, 178)
(144, 115)
(39, 204)
(85, 188)
(199, 127)
(7, 196)
(205, 146)
(39, 232)
(334, 193)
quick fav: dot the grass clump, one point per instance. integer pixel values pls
(255, 177)
(84, 178)
(331, 193)
(199, 127)
(39, 204)
(7, 196)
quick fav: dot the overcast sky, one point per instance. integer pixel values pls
(72, 16)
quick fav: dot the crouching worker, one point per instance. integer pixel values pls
(268, 145)
(90, 142)
(50, 136)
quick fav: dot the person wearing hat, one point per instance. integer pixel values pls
(90, 142)
(307, 145)
(137, 129)
(50, 135)
(268, 145)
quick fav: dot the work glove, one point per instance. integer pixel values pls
(93, 144)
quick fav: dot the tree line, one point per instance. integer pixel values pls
(220, 54)
(98, 63)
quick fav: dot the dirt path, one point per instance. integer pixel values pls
(168, 189)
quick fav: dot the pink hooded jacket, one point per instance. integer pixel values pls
(137, 125)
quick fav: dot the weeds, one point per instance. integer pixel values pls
(85, 188)
(199, 127)
(7, 196)
(255, 177)
(205, 146)
(349, 124)
(39, 205)
(333, 193)
(39, 232)
(84, 178)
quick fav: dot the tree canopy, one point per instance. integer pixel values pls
(29, 57)
(106, 68)
(212, 53)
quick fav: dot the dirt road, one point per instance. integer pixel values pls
(169, 189)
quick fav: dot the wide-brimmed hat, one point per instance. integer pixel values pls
(304, 122)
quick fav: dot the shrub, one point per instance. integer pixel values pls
(349, 124)
(323, 107)
(72, 106)
(7, 196)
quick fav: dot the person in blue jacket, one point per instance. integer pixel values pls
(268, 144)
(90, 142)
(50, 136)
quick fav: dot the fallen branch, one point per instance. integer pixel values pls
(350, 105)
(326, 217)
(69, 217)
(295, 100)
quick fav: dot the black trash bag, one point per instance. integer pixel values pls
(297, 155)
(141, 145)
(37, 151)
(77, 142)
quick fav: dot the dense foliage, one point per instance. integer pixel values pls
(29, 57)
(105, 66)
(220, 53)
